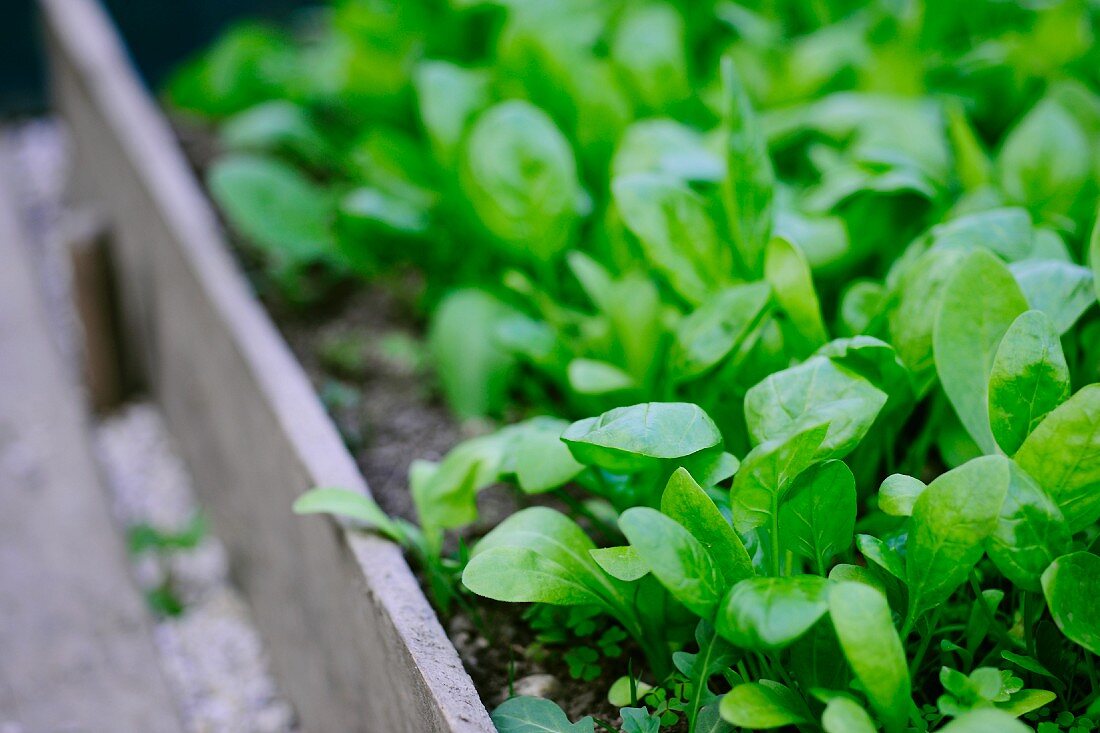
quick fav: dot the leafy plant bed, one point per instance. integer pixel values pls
(795, 375)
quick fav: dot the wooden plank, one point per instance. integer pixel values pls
(353, 641)
(76, 650)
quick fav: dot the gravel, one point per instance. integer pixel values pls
(211, 654)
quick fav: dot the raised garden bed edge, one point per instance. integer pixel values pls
(353, 642)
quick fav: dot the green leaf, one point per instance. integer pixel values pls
(666, 147)
(1062, 290)
(1063, 455)
(629, 439)
(951, 521)
(1028, 379)
(882, 555)
(537, 715)
(1025, 701)
(275, 207)
(648, 49)
(749, 184)
(865, 629)
(717, 328)
(592, 377)
(679, 561)
(1094, 255)
(540, 460)
(715, 656)
(623, 563)
(540, 555)
(817, 391)
(1068, 585)
(766, 474)
(985, 720)
(1030, 531)
(898, 493)
(766, 614)
(675, 232)
(970, 325)
(818, 519)
(449, 97)
(788, 272)
(473, 370)
(844, 715)
(519, 175)
(349, 504)
(685, 501)
(1044, 162)
(763, 705)
(277, 126)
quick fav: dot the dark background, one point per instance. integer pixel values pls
(159, 34)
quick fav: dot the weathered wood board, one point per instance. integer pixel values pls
(76, 645)
(354, 643)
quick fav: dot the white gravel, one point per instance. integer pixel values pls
(211, 654)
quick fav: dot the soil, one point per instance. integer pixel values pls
(363, 350)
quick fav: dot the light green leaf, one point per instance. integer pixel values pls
(951, 521)
(629, 439)
(844, 715)
(1044, 162)
(1069, 586)
(592, 377)
(898, 493)
(970, 325)
(818, 519)
(540, 460)
(766, 614)
(676, 233)
(817, 391)
(1025, 701)
(536, 715)
(1094, 255)
(473, 370)
(519, 175)
(449, 96)
(623, 563)
(1028, 379)
(788, 272)
(1030, 532)
(766, 474)
(718, 328)
(350, 504)
(685, 501)
(679, 561)
(1063, 455)
(985, 720)
(540, 555)
(748, 188)
(277, 208)
(865, 629)
(1062, 290)
(763, 705)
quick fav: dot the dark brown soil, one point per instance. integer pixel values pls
(363, 352)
